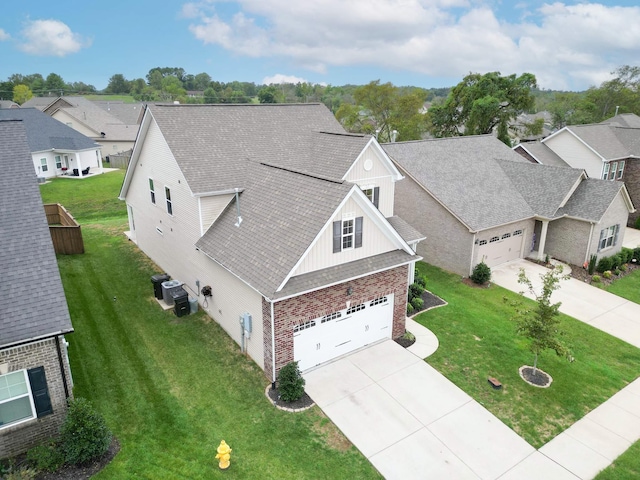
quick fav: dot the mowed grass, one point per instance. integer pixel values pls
(90, 199)
(478, 340)
(171, 388)
(625, 467)
(627, 287)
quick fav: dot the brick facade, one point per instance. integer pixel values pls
(294, 311)
(631, 179)
(21, 437)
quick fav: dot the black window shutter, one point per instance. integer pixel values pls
(40, 392)
(376, 195)
(337, 236)
(358, 239)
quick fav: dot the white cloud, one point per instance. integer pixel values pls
(279, 78)
(51, 38)
(4, 35)
(565, 46)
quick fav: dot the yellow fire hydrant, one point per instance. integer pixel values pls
(224, 455)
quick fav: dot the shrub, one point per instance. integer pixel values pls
(46, 457)
(592, 264)
(415, 290)
(596, 279)
(481, 273)
(616, 272)
(607, 274)
(637, 224)
(84, 433)
(604, 264)
(623, 267)
(636, 253)
(290, 382)
(421, 280)
(627, 254)
(616, 261)
(417, 303)
(410, 308)
(21, 473)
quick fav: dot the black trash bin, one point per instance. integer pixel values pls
(157, 284)
(180, 302)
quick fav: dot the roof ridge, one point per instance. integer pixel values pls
(305, 174)
(425, 140)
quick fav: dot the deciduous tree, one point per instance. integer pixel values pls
(21, 93)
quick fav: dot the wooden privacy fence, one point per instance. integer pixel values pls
(119, 160)
(65, 231)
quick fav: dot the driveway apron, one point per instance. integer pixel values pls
(411, 422)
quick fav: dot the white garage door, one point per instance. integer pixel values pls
(500, 248)
(325, 338)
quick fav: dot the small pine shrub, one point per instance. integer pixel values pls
(46, 457)
(481, 273)
(596, 279)
(84, 434)
(421, 280)
(607, 274)
(417, 303)
(604, 264)
(616, 272)
(410, 309)
(592, 264)
(290, 382)
(415, 290)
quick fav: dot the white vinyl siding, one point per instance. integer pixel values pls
(211, 208)
(575, 153)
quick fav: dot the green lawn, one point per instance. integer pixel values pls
(477, 340)
(171, 388)
(627, 287)
(625, 467)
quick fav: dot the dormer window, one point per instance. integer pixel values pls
(347, 234)
(373, 194)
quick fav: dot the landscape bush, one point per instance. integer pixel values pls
(592, 264)
(417, 303)
(415, 290)
(623, 267)
(616, 272)
(410, 308)
(290, 382)
(596, 279)
(47, 457)
(607, 274)
(481, 273)
(636, 254)
(84, 435)
(604, 264)
(627, 254)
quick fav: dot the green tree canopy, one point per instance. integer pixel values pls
(21, 93)
(480, 103)
(118, 84)
(54, 83)
(268, 94)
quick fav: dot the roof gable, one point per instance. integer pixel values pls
(23, 231)
(593, 197)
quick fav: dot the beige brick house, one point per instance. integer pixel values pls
(288, 220)
(35, 379)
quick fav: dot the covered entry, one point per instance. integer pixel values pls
(325, 338)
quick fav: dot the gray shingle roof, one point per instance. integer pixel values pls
(630, 120)
(591, 199)
(543, 154)
(39, 102)
(204, 138)
(464, 174)
(406, 231)
(47, 133)
(609, 141)
(127, 113)
(33, 304)
(280, 221)
(543, 187)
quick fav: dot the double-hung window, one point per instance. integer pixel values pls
(23, 396)
(347, 234)
(58, 161)
(43, 165)
(605, 173)
(152, 191)
(613, 170)
(608, 237)
(373, 194)
(620, 169)
(167, 194)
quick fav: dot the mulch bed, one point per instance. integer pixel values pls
(537, 379)
(582, 274)
(84, 471)
(302, 403)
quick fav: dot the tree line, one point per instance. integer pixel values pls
(479, 104)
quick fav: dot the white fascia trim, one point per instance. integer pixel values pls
(135, 154)
(218, 192)
(583, 176)
(373, 213)
(617, 159)
(305, 292)
(528, 151)
(383, 157)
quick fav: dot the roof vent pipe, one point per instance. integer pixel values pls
(237, 224)
(394, 135)
(617, 107)
(377, 133)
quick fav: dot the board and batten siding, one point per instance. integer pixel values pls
(321, 255)
(575, 153)
(378, 176)
(174, 249)
(211, 207)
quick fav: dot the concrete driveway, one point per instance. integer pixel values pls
(598, 308)
(413, 423)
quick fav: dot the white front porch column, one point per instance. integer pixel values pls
(78, 164)
(543, 239)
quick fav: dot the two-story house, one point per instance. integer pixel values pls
(275, 215)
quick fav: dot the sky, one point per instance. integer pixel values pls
(567, 45)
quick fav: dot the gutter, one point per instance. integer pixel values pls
(273, 347)
(35, 339)
(586, 255)
(61, 362)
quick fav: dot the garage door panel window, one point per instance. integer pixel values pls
(494, 239)
(517, 233)
(304, 326)
(378, 301)
(331, 316)
(355, 308)
(506, 235)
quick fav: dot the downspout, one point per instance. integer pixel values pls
(273, 348)
(586, 255)
(61, 362)
(473, 253)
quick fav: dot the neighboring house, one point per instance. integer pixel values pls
(8, 104)
(35, 378)
(480, 201)
(609, 150)
(283, 216)
(56, 149)
(113, 125)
